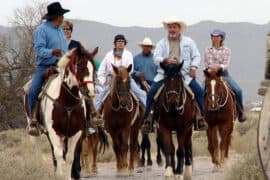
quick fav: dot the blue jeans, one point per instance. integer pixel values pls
(235, 87)
(133, 86)
(150, 96)
(35, 88)
(199, 93)
(194, 85)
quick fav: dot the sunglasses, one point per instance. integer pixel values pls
(66, 29)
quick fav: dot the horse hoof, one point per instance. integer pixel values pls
(148, 168)
(169, 172)
(131, 173)
(188, 172)
(216, 168)
(139, 170)
(178, 177)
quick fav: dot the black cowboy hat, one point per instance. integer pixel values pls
(54, 10)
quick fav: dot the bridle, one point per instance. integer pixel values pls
(120, 93)
(181, 95)
(219, 96)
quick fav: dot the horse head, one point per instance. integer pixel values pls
(215, 89)
(121, 84)
(173, 83)
(77, 69)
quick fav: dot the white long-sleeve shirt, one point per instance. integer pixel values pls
(105, 68)
(189, 54)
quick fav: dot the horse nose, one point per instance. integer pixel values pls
(123, 103)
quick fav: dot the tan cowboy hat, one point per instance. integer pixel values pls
(147, 42)
(175, 20)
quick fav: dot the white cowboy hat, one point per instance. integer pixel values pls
(147, 42)
(175, 20)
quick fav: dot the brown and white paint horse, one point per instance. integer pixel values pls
(63, 108)
(220, 109)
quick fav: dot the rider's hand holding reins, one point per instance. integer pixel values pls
(193, 72)
(57, 52)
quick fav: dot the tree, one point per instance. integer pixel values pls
(17, 62)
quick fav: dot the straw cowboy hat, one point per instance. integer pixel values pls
(175, 20)
(146, 42)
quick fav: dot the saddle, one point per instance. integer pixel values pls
(48, 75)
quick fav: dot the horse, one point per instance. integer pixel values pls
(63, 108)
(176, 113)
(146, 143)
(123, 117)
(90, 150)
(220, 112)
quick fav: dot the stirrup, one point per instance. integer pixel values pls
(33, 129)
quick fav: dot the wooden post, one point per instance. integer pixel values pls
(266, 82)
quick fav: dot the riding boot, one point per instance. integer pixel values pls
(241, 115)
(147, 124)
(32, 128)
(200, 124)
(96, 118)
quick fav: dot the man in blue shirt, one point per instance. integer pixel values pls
(49, 43)
(144, 67)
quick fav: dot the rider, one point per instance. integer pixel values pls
(144, 67)
(217, 56)
(49, 43)
(174, 49)
(119, 56)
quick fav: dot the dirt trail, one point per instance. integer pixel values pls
(202, 170)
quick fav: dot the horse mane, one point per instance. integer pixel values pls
(64, 60)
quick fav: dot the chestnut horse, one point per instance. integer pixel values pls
(176, 112)
(63, 108)
(123, 116)
(90, 150)
(220, 109)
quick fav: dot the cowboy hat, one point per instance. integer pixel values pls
(54, 10)
(175, 20)
(147, 42)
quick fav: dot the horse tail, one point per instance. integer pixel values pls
(104, 143)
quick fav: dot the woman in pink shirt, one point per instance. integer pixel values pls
(218, 57)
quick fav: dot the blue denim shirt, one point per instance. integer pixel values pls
(146, 65)
(46, 38)
(189, 54)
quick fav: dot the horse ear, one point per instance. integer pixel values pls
(162, 65)
(129, 68)
(94, 52)
(206, 72)
(180, 65)
(115, 69)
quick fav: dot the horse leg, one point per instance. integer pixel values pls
(116, 149)
(72, 142)
(84, 155)
(123, 137)
(159, 145)
(148, 147)
(143, 147)
(213, 146)
(167, 149)
(180, 156)
(188, 157)
(133, 147)
(225, 133)
(94, 154)
(58, 152)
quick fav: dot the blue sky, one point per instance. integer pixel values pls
(150, 13)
